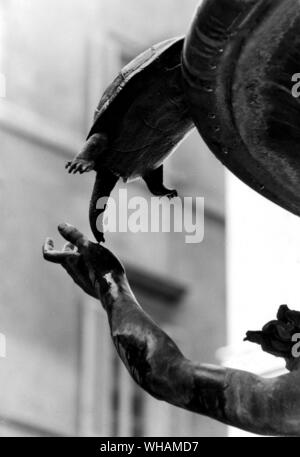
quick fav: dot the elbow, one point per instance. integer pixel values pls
(269, 407)
(195, 387)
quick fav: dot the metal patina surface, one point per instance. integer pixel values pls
(234, 80)
(239, 59)
(267, 406)
(139, 122)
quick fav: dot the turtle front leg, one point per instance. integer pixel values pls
(86, 159)
(154, 181)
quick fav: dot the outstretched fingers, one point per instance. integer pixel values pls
(74, 236)
(69, 247)
(55, 256)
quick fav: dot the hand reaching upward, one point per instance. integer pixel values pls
(88, 263)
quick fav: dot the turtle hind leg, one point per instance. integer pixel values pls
(86, 159)
(104, 184)
(154, 181)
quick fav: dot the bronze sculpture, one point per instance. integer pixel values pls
(140, 120)
(234, 397)
(238, 61)
(234, 82)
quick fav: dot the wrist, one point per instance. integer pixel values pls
(112, 287)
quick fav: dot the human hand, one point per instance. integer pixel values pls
(86, 262)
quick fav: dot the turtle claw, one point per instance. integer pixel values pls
(86, 168)
(172, 194)
(80, 166)
(169, 194)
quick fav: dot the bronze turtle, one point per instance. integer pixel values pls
(140, 120)
(233, 78)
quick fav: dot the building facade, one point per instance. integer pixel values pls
(61, 375)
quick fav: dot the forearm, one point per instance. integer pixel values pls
(144, 348)
(154, 360)
(234, 397)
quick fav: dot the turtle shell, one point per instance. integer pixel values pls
(239, 59)
(132, 69)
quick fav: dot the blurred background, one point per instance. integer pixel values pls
(61, 376)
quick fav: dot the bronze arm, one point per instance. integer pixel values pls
(237, 398)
